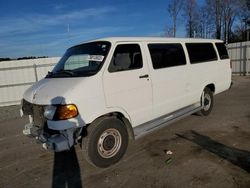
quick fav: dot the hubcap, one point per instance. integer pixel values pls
(207, 102)
(109, 143)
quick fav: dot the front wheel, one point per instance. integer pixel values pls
(106, 142)
(207, 102)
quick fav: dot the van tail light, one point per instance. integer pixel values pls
(231, 64)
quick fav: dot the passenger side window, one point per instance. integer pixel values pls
(222, 50)
(166, 55)
(126, 57)
(201, 52)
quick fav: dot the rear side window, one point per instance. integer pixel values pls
(222, 50)
(201, 52)
(126, 57)
(166, 55)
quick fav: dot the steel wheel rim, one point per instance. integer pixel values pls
(207, 99)
(109, 143)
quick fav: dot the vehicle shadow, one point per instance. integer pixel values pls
(240, 158)
(66, 170)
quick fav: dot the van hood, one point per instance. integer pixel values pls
(52, 90)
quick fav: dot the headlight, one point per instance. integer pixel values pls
(49, 112)
(64, 112)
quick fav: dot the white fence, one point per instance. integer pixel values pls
(240, 56)
(17, 76)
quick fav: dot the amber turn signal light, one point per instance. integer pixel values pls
(64, 112)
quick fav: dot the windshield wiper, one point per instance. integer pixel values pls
(71, 73)
(60, 73)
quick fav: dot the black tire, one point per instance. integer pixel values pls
(106, 142)
(208, 102)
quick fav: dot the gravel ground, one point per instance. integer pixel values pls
(212, 151)
(8, 113)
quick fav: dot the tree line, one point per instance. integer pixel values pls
(222, 19)
(21, 58)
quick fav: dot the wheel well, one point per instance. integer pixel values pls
(126, 122)
(211, 87)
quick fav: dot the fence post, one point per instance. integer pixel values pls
(241, 60)
(35, 72)
(245, 60)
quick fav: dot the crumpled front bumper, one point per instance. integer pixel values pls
(54, 135)
(62, 141)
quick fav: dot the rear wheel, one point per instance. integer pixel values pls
(207, 102)
(106, 142)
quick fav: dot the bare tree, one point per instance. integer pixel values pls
(216, 18)
(168, 32)
(215, 8)
(238, 34)
(174, 9)
(204, 23)
(229, 12)
(191, 14)
(244, 18)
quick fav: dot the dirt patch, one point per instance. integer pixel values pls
(10, 112)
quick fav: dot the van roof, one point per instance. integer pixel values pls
(152, 39)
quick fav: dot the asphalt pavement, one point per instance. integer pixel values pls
(212, 151)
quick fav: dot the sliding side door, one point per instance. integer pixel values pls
(168, 73)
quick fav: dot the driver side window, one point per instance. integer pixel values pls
(126, 57)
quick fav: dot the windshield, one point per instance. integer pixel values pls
(82, 60)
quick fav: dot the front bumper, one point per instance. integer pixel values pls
(54, 135)
(61, 141)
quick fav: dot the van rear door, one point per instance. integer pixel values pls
(224, 68)
(127, 82)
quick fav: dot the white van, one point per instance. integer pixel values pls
(105, 92)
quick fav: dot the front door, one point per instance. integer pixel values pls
(127, 83)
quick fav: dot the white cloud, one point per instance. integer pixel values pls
(59, 6)
(39, 45)
(45, 34)
(37, 22)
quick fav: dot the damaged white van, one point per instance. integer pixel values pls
(106, 92)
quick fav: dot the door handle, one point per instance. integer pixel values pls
(144, 76)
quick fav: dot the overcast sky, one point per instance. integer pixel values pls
(47, 27)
